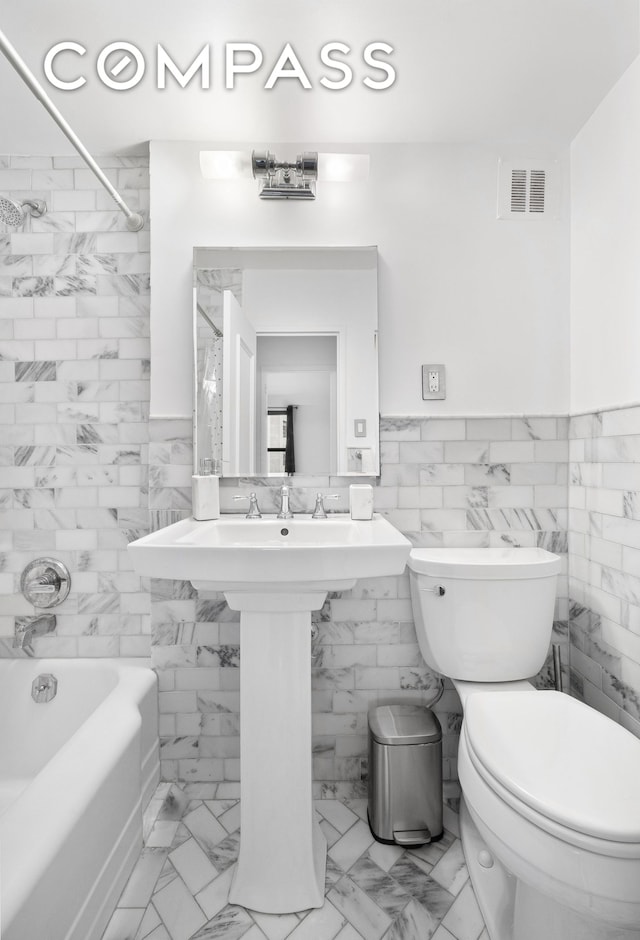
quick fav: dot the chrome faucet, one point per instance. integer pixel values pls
(27, 629)
(320, 512)
(285, 512)
(254, 509)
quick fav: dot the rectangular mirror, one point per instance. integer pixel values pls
(286, 361)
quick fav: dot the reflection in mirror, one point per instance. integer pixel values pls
(285, 348)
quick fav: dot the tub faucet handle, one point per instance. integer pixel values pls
(45, 582)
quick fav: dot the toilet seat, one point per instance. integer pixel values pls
(560, 763)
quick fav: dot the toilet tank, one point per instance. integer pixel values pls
(483, 614)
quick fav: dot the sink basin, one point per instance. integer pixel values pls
(275, 572)
(234, 553)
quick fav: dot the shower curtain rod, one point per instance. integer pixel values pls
(134, 219)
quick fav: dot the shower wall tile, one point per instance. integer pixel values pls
(604, 543)
(74, 405)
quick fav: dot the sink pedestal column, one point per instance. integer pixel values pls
(281, 866)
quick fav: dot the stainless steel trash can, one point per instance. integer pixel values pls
(405, 774)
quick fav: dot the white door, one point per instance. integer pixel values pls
(238, 390)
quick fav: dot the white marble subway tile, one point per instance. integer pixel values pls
(377, 677)
(389, 452)
(11, 434)
(76, 328)
(399, 428)
(463, 497)
(400, 475)
(204, 769)
(609, 501)
(621, 421)
(29, 243)
(512, 496)
(421, 452)
(440, 520)
(99, 646)
(117, 241)
(26, 162)
(15, 308)
(512, 451)
(420, 497)
(443, 429)
(345, 655)
(15, 178)
(496, 429)
(134, 348)
(404, 654)
(98, 221)
(394, 610)
(18, 350)
(550, 496)
(549, 451)
(621, 476)
(466, 452)
(443, 474)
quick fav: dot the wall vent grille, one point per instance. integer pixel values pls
(527, 189)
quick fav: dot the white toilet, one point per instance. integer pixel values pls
(550, 816)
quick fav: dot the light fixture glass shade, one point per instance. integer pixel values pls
(225, 164)
(343, 167)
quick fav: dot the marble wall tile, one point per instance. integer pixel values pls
(604, 547)
(364, 649)
(67, 497)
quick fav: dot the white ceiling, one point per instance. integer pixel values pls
(467, 70)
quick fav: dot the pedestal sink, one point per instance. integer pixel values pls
(275, 572)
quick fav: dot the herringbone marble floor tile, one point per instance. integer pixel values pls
(180, 884)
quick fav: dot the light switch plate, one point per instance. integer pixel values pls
(433, 381)
(360, 427)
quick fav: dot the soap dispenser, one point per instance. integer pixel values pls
(205, 491)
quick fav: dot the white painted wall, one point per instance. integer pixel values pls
(605, 252)
(489, 299)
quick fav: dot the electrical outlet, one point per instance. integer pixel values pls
(433, 381)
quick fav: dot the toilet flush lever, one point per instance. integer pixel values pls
(439, 590)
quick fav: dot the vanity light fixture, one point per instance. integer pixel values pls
(284, 179)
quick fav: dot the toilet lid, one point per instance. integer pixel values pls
(560, 757)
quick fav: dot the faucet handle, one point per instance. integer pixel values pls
(254, 509)
(319, 512)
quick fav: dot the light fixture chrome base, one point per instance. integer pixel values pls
(287, 191)
(283, 180)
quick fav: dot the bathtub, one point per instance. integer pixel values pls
(75, 776)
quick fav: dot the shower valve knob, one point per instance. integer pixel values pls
(45, 582)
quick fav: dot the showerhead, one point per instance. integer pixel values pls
(14, 213)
